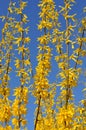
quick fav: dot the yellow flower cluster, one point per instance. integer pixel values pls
(48, 121)
(80, 118)
(8, 127)
(41, 90)
(47, 14)
(52, 112)
(23, 67)
(5, 69)
(64, 117)
(67, 63)
(41, 82)
(19, 109)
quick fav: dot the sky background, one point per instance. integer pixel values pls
(32, 11)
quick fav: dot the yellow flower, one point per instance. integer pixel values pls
(23, 122)
(84, 22)
(18, 40)
(8, 127)
(24, 18)
(17, 63)
(15, 122)
(20, 29)
(10, 10)
(27, 40)
(18, 10)
(18, 91)
(23, 109)
(23, 4)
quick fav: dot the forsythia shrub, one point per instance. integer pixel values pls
(52, 111)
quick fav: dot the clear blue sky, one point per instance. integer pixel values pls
(32, 11)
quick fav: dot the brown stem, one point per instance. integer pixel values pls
(67, 47)
(22, 57)
(38, 111)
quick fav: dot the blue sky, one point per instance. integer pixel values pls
(32, 11)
